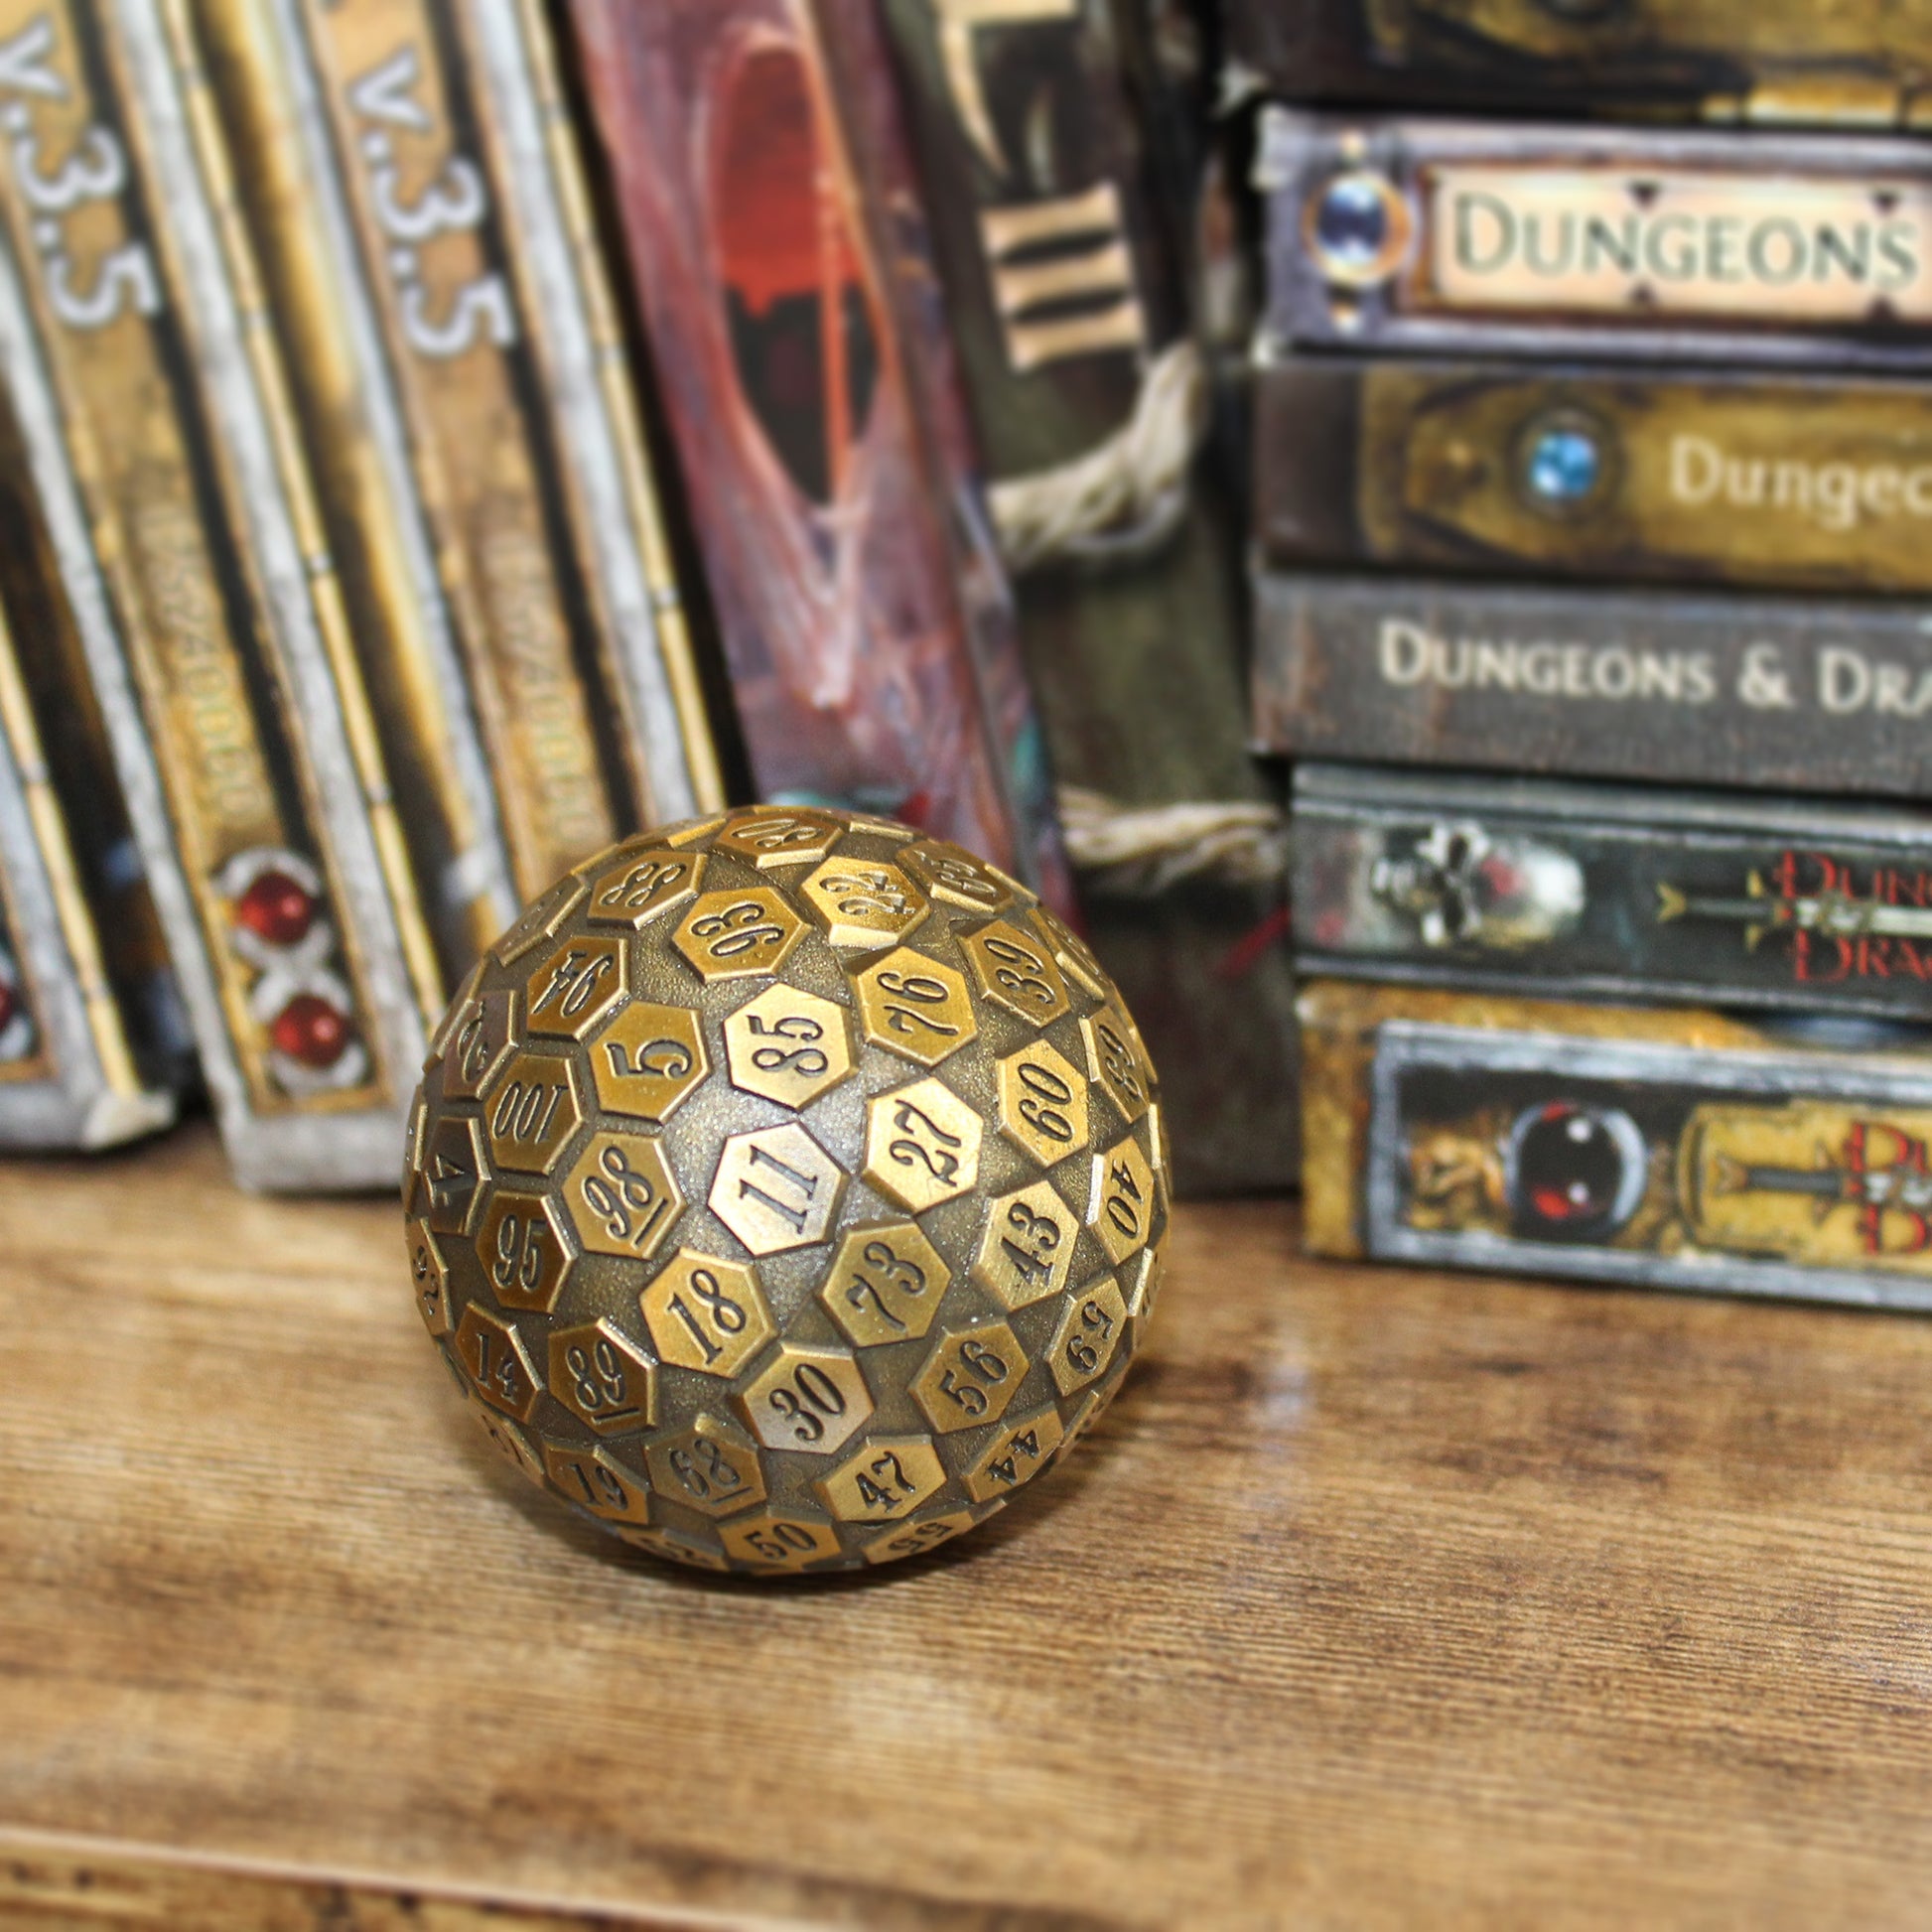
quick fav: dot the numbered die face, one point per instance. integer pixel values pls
(1016, 971)
(431, 1275)
(776, 1189)
(576, 987)
(1116, 1063)
(951, 874)
(705, 1314)
(885, 1284)
(915, 1539)
(807, 1400)
(970, 1377)
(1088, 1337)
(922, 1145)
(450, 1185)
(917, 1007)
(636, 889)
(523, 1249)
(1042, 1103)
(887, 1478)
(596, 1481)
(485, 1031)
(711, 1467)
(539, 921)
(771, 839)
(864, 904)
(1026, 1246)
(738, 935)
(621, 1197)
(777, 1543)
(498, 1361)
(532, 1110)
(603, 1378)
(648, 1061)
(1016, 1455)
(1120, 1201)
(789, 1046)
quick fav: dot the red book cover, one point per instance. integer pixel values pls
(779, 255)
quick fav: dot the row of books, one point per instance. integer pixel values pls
(441, 435)
(1592, 471)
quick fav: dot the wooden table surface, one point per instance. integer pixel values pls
(1378, 1599)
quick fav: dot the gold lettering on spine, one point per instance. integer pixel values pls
(1094, 266)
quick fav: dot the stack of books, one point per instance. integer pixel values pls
(1594, 533)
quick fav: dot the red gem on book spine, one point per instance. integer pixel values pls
(311, 1030)
(277, 909)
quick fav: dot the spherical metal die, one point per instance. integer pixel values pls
(603, 1378)
(1026, 1247)
(970, 1377)
(779, 838)
(1120, 1201)
(1014, 971)
(622, 1196)
(431, 1275)
(648, 1060)
(809, 1400)
(738, 935)
(889, 1478)
(776, 1189)
(922, 1145)
(492, 1353)
(885, 1284)
(707, 1268)
(863, 903)
(710, 1468)
(705, 1314)
(1020, 1451)
(641, 885)
(523, 1249)
(915, 1007)
(1090, 1332)
(789, 1046)
(1042, 1103)
(532, 1108)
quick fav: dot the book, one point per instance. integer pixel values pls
(1586, 472)
(1550, 240)
(1671, 687)
(157, 430)
(1552, 889)
(1615, 1144)
(1056, 231)
(1781, 61)
(777, 261)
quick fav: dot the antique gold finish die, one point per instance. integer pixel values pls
(787, 1190)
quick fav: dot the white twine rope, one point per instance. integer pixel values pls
(1126, 495)
(1131, 851)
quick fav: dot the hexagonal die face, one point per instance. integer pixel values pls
(1120, 1201)
(1019, 1452)
(710, 1466)
(915, 1007)
(788, 1046)
(1115, 1061)
(922, 1145)
(674, 1547)
(951, 872)
(776, 1189)
(970, 1377)
(431, 1277)
(885, 1284)
(1015, 971)
(648, 1060)
(810, 1400)
(453, 1016)
(593, 1481)
(498, 1363)
(915, 1539)
(484, 1030)
(885, 1481)
(641, 885)
(767, 1542)
(1144, 1285)
(1072, 954)
(863, 902)
(538, 920)
(1026, 1247)
(622, 1196)
(577, 986)
(705, 1314)
(1042, 1103)
(603, 1378)
(1090, 1332)
(779, 837)
(523, 1250)
(533, 1107)
(453, 1174)
(738, 935)
(511, 1444)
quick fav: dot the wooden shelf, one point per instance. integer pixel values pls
(1379, 1598)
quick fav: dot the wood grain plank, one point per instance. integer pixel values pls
(1378, 1597)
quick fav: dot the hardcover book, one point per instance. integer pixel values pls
(1613, 1144)
(777, 257)
(1673, 687)
(1606, 892)
(1559, 240)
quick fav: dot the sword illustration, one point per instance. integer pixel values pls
(1836, 915)
(1850, 1178)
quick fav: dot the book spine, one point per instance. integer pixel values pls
(1574, 891)
(133, 367)
(1789, 61)
(1595, 473)
(1557, 240)
(1615, 1144)
(1679, 688)
(778, 267)
(1088, 397)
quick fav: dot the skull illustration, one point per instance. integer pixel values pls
(1463, 888)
